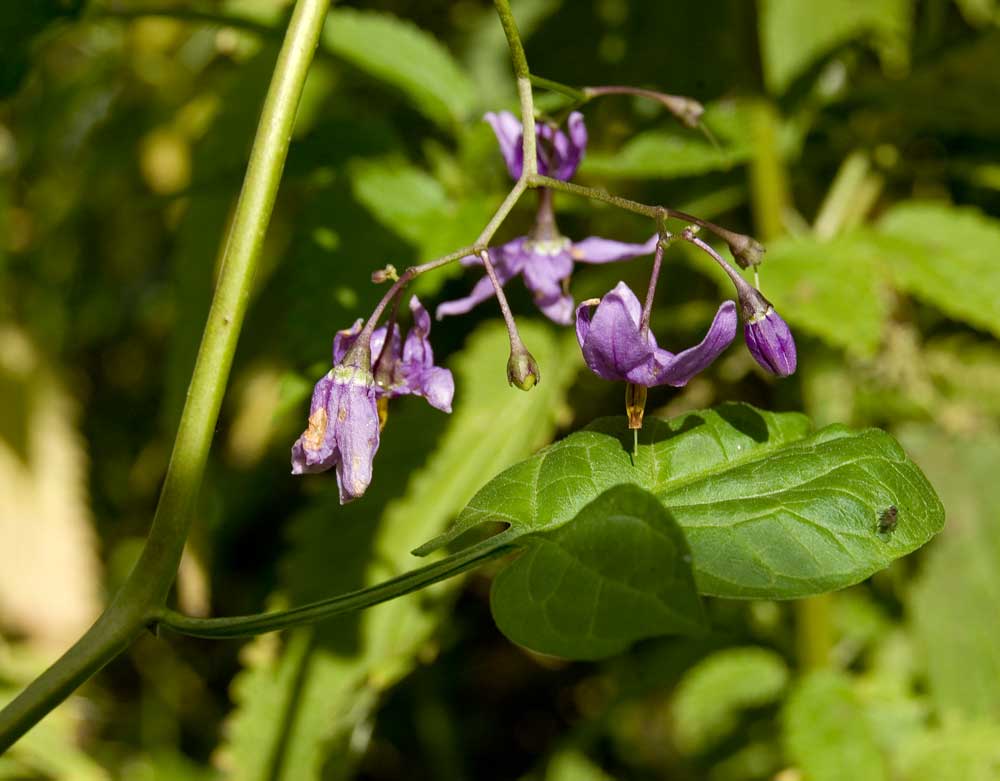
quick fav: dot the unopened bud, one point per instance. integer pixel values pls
(522, 370)
(635, 404)
(747, 251)
(385, 274)
(687, 110)
(767, 335)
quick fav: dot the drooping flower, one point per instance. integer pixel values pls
(343, 430)
(559, 153)
(546, 265)
(615, 348)
(344, 417)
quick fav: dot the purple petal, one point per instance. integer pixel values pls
(569, 151)
(507, 262)
(344, 339)
(316, 449)
(355, 415)
(770, 341)
(669, 369)
(559, 309)
(508, 131)
(594, 249)
(417, 350)
(544, 273)
(435, 384)
(611, 343)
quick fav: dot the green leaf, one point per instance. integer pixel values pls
(709, 698)
(297, 708)
(958, 752)
(412, 204)
(795, 34)
(675, 152)
(405, 56)
(618, 572)
(835, 290)
(946, 256)
(768, 510)
(955, 600)
(826, 733)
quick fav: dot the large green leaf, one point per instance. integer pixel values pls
(405, 56)
(618, 572)
(795, 34)
(768, 510)
(947, 257)
(826, 732)
(296, 708)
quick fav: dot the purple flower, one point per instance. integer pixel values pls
(546, 265)
(614, 347)
(768, 337)
(404, 367)
(559, 154)
(344, 419)
(343, 430)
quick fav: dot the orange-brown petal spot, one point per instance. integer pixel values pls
(313, 436)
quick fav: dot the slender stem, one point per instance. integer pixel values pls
(687, 110)
(523, 75)
(501, 214)
(742, 286)
(577, 95)
(244, 626)
(508, 317)
(147, 586)
(647, 307)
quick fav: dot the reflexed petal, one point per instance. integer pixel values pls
(417, 350)
(570, 150)
(344, 339)
(611, 343)
(508, 130)
(544, 274)
(594, 249)
(669, 369)
(559, 309)
(507, 262)
(435, 384)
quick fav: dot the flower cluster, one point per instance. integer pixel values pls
(371, 366)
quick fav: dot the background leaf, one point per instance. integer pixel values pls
(826, 731)
(398, 52)
(794, 34)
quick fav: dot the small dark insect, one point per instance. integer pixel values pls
(887, 520)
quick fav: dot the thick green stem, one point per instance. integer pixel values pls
(146, 589)
(246, 626)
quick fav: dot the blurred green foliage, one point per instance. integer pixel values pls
(858, 138)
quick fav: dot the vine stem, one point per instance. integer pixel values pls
(147, 587)
(247, 626)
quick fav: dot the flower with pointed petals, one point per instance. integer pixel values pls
(345, 417)
(546, 266)
(559, 153)
(615, 348)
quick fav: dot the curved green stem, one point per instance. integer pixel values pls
(246, 626)
(147, 587)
